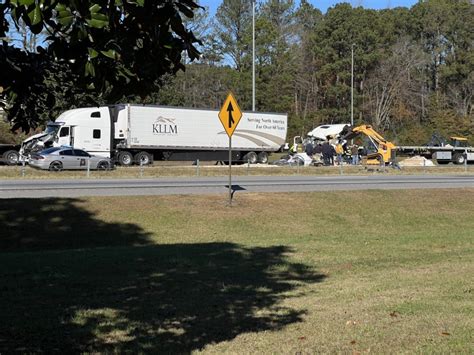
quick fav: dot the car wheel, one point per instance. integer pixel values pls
(56, 166)
(251, 158)
(11, 157)
(103, 165)
(143, 158)
(263, 157)
(125, 158)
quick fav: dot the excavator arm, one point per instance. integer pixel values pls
(385, 150)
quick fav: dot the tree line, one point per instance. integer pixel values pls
(413, 67)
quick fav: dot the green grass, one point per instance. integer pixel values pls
(378, 271)
(187, 170)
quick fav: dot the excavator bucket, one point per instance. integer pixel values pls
(347, 133)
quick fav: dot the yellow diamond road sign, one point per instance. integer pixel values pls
(230, 114)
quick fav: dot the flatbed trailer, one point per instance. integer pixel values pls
(442, 155)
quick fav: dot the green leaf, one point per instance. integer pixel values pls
(118, 3)
(92, 53)
(35, 16)
(100, 17)
(97, 23)
(124, 72)
(60, 7)
(65, 17)
(137, 2)
(110, 53)
(14, 3)
(26, 2)
(94, 9)
(98, 20)
(89, 70)
(12, 95)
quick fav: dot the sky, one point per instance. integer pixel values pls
(324, 4)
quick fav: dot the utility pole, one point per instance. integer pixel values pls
(352, 85)
(253, 55)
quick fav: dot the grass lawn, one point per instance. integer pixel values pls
(369, 271)
(185, 169)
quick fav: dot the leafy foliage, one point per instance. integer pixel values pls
(413, 67)
(109, 48)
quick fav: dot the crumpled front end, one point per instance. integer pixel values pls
(39, 142)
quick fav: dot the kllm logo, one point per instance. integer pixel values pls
(165, 125)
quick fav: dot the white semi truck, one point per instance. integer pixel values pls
(140, 134)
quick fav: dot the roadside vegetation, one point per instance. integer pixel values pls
(413, 71)
(7, 136)
(185, 169)
(361, 271)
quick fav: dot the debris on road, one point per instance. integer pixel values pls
(301, 159)
(416, 161)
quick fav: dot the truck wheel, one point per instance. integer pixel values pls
(11, 157)
(459, 159)
(143, 158)
(251, 157)
(56, 166)
(125, 158)
(263, 157)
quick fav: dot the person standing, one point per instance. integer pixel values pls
(355, 154)
(327, 149)
(339, 152)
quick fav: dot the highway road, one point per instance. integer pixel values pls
(217, 185)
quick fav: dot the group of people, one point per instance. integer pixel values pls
(330, 149)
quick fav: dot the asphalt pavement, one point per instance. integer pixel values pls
(216, 185)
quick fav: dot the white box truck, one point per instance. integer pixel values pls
(140, 134)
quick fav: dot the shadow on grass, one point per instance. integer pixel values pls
(152, 298)
(60, 223)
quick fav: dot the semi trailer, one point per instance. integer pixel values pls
(140, 134)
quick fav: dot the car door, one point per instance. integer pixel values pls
(67, 158)
(82, 158)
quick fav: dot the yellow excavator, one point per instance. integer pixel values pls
(381, 150)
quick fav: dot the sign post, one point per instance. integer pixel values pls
(230, 115)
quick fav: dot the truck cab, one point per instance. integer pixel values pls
(84, 128)
(87, 129)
